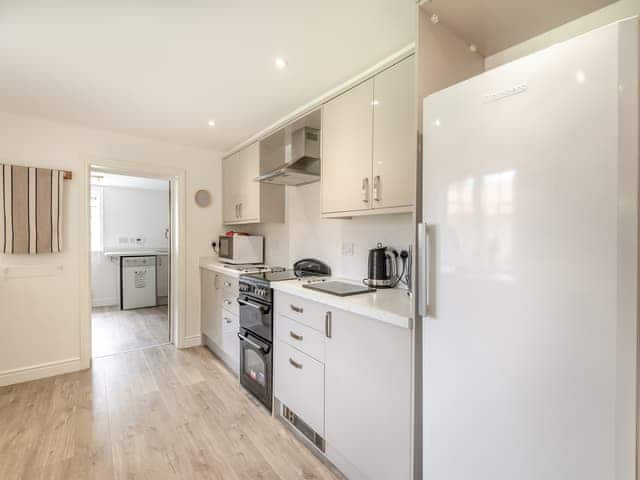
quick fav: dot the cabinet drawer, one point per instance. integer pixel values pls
(306, 312)
(229, 303)
(229, 286)
(230, 321)
(300, 385)
(230, 326)
(301, 337)
(231, 346)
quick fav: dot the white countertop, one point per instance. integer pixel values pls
(135, 253)
(391, 306)
(211, 263)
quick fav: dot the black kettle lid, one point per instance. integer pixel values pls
(379, 247)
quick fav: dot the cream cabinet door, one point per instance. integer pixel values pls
(210, 314)
(346, 150)
(230, 188)
(368, 397)
(249, 189)
(394, 137)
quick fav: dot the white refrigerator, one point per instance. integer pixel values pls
(529, 266)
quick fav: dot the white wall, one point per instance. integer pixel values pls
(616, 11)
(307, 234)
(130, 213)
(40, 315)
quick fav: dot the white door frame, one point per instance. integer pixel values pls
(177, 268)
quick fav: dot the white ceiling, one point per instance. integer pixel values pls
(125, 181)
(163, 68)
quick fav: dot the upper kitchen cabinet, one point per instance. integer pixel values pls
(346, 150)
(369, 146)
(394, 137)
(244, 200)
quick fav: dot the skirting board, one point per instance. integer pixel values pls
(106, 302)
(44, 370)
(192, 341)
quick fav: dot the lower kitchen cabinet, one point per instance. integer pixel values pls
(300, 380)
(368, 398)
(220, 322)
(349, 378)
(209, 305)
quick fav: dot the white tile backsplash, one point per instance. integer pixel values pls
(342, 243)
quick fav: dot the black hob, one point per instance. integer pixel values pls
(254, 283)
(267, 277)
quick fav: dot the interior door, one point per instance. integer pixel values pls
(394, 136)
(530, 342)
(346, 150)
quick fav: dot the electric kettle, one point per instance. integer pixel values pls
(383, 267)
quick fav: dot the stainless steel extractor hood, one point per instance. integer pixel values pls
(302, 160)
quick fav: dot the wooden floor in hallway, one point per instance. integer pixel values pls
(156, 413)
(115, 331)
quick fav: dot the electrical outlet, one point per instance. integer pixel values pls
(348, 249)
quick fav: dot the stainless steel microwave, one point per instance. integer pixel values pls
(241, 249)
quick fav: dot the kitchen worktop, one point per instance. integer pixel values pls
(135, 253)
(213, 264)
(393, 306)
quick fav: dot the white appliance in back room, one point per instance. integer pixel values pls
(138, 282)
(530, 266)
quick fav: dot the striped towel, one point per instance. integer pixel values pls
(30, 210)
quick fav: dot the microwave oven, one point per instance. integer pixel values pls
(241, 249)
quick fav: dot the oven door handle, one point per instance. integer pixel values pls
(262, 348)
(262, 308)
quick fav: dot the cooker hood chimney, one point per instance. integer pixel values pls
(302, 160)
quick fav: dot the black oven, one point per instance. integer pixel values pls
(256, 337)
(256, 366)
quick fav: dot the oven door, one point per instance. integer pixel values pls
(256, 366)
(256, 316)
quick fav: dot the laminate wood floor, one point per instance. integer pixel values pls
(157, 413)
(115, 330)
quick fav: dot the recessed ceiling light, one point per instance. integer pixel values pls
(281, 63)
(211, 123)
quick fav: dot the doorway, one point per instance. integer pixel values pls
(130, 232)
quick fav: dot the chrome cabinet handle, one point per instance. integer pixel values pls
(227, 284)
(228, 320)
(376, 188)
(227, 301)
(296, 309)
(240, 210)
(295, 336)
(327, 324)
(236, 210)
(365, 190)
(424, 289)
(295, 364)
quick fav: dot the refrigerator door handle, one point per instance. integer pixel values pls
(423, 270)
